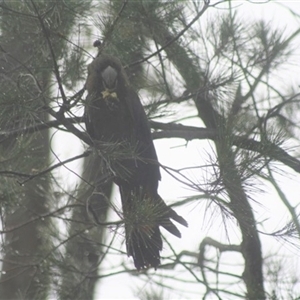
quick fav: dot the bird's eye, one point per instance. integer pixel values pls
(110, 78)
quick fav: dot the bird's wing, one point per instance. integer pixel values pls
(142, 129)
(87, 115)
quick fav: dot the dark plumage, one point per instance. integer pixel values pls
(114, 114)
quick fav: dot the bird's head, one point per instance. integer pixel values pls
(106, 76)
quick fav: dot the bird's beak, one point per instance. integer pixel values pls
(109, 76)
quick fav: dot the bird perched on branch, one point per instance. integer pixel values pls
(115, 116)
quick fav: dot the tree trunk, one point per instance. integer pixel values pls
(239, 204)
(85, 250)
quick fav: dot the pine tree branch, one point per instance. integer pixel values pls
(52, 52)
(175, 38)
(268, 149)
(172, 130)
(36, 127)
(32, 176)
(291, 209)
(113, 26)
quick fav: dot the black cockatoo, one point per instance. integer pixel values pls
(114, 114)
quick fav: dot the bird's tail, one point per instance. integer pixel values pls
(143, 216)
(144, 243)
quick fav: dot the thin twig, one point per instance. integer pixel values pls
(182, 32)
(62, 163)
